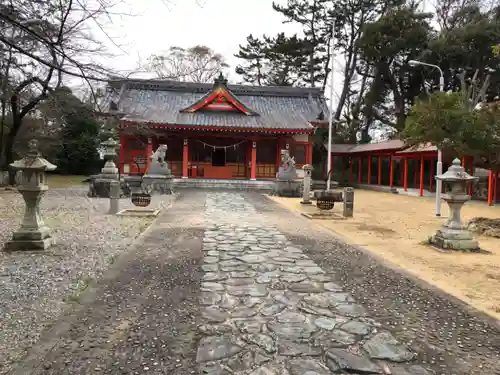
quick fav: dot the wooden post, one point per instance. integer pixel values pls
(415, 174)
(471, 172)
(309, 153)
(495, 188)
(149, 152)
(431, 174)
(350, 170)
(380, 170)
(490, 188)
(360, 170)
(391, 171)
(405, 174)
(123, 153)
(369, 170)
(253, 158)
(185, 159)
(421, 187)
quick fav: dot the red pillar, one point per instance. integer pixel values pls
(405, 174)
(369, 170)
(185, 159)
(379, 180)
(415, 174)
(490, 188)
(421, 187)
(123, 152)
(350, 170)
(253, 159)
(431, 175)
(149, 152)
(309, 154)
(391, 171)
(360, 170)
(495, 188)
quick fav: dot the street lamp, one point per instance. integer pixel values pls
(439, 164)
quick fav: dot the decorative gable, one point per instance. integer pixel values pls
(220, 98)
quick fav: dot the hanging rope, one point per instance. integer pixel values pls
(219, 147)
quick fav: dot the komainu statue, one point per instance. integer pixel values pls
(287, 183)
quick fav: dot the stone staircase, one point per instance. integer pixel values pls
(205, 183)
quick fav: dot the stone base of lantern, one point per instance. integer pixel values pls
(30, 240)
(454, 239)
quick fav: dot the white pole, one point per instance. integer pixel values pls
(330, 123)
(439, 164)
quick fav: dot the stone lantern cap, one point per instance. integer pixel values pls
(307, 167)
(33, 160)
(111, 143)
(456, 173)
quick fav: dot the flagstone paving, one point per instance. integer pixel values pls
(230, 283)
(268, 308)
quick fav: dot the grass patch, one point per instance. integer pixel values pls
(64, 181)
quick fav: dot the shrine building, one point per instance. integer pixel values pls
(214, 131)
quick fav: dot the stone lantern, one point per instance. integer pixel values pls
(33, 233)
(109, 154)
(306, 199)
(454, 235)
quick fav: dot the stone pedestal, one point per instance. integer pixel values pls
(348, 210)
(287, 183)
(158, 178)
(157, 184)
(33, 233)
(114, 197)
(454, 235)
(100, 185)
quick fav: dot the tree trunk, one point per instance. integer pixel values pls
(8, 154)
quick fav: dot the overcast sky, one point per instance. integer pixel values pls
(220, 25)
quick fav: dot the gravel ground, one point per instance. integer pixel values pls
(141, 316)
(35, 288)
(449, 337)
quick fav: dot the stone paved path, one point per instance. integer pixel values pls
(267, 308)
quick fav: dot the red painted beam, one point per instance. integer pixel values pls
(431, 175)
(379, 180)
(421, 187)
(350, 170)
(185, 159)
(405, 175)
(253, 167)
(391, 171)
(369, 170)
(490, 188)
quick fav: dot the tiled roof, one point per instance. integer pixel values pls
(160, 102)
(420, 148)
(392, 145)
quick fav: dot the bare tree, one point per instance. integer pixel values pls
(195, 64)
(41, 42)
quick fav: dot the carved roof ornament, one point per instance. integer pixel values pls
(33, 160)
(219, 99)
(220, 81)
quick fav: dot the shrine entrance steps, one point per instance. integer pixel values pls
(206, 183)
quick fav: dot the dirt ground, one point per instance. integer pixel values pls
(395, 226)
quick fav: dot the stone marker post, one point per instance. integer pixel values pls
(348, 202)
(33, 233)
(453, 234)
(114, 197)
(306, 199)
